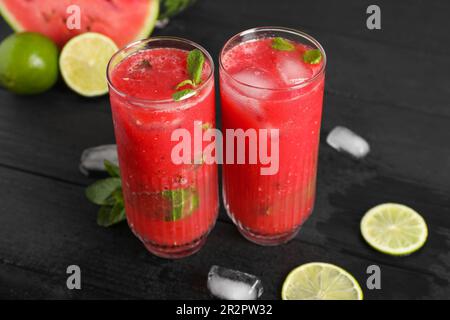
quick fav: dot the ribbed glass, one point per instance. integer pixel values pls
(170, 207)
(269, 209)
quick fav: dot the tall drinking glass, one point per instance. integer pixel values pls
(272, 78)
(170, 206)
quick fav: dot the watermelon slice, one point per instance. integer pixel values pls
(121, 20)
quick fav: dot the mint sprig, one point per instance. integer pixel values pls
(101, 191)
(112, 169)
(312, 56)
(110, 215)
(282, 44)
(195, 63)
(108, 194)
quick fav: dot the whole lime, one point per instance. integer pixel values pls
(28, 63)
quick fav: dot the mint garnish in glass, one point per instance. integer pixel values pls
(282, 44)
(108, 194)
(312, 56)
(195, 63)
(183, 203)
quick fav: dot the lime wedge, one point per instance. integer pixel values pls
(320, 281)
(83, 63)
(394, 229)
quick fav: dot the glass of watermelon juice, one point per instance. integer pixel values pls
(170, 207)
(266, 85)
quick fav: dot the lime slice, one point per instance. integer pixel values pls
(394, 229)
(83, 63)
(320, 281)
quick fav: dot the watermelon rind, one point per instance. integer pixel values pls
(13, 23)
(152, 17)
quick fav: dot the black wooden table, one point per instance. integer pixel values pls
(392, 86)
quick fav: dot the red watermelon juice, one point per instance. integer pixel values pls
(170, 207)
(264, 86)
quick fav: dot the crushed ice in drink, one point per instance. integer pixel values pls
(293, 70)
(231, 284)
(343, 139)
(255, 81)
(92, 159)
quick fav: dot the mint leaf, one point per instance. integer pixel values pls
(100, 191)
(185, 83)
(108, 194)
(195, 62)
(117, 195)
(313, 56)
(183, 202)
(183, 94)
(282, 44)
(109, 215)
(112, 169)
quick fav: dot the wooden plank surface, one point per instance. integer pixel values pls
(391, 86)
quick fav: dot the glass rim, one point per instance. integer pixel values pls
(155, 39)
(279, 29)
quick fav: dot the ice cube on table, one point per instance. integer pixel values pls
(343, 139)
(231, 284)
(254, 83)
(292, 70)
(92, 159)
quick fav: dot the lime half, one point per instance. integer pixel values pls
(394, 229)
(320, 281)
(83, 63)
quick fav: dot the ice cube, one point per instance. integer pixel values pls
(254, 107)
(248, 105)
(92, 159)
(231, 284)
(243, 103)
(255, 83)
(292, 70)
(343, 139)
